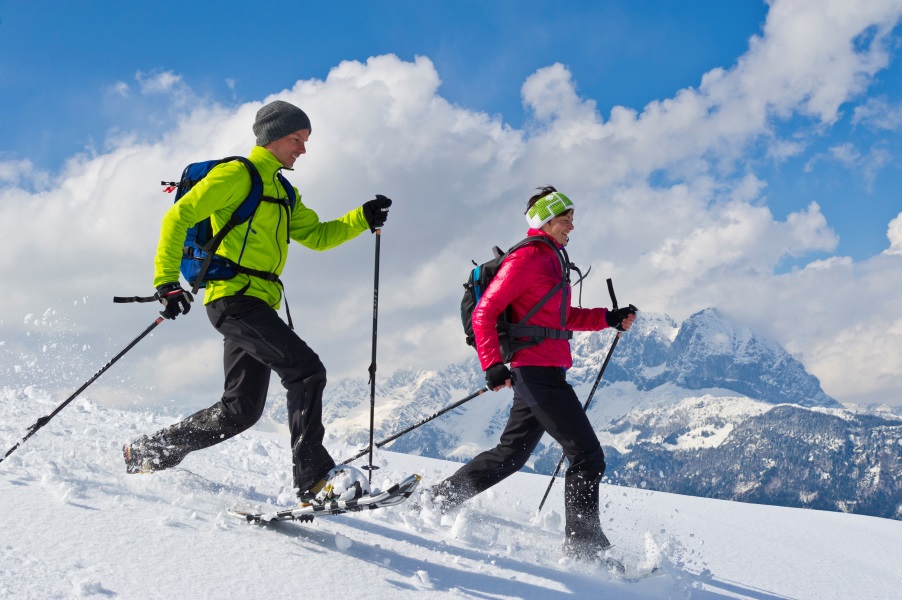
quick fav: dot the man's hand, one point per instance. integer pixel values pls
(622, 318)
(498, 376)
(376, 211)
(174, 299)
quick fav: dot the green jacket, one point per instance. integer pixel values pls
(264, 237)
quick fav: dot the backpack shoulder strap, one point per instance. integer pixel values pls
(561, 253)
(245, 210)
(289, 189)
(249, 205)
(564, 260)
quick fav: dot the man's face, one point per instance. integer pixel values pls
(288, 148)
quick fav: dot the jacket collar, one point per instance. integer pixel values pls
(534, 232)
(265, 162)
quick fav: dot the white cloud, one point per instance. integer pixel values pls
(879, 113)
(158, 82)
(549, 94)
(22, 173)
(460, 180)
(830, 263)
(120, 88)
(894, 233)
(868, 165)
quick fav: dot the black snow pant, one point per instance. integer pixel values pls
(256, 342)
(543, 401)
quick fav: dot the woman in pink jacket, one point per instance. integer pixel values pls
(543, 400)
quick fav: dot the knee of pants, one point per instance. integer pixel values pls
(243, 415)
(307, 392)
(318, 378)
(308, 374)
(514, 459)
(314, 384)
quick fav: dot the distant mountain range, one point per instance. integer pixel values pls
(785, 455)
(705, 408)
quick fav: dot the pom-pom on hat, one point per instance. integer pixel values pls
(277, 119)
(546, 208)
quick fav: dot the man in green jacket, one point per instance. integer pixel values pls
(243, 308)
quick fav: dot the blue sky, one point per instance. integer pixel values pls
(624, 53)
(738, 154)
(621, 52)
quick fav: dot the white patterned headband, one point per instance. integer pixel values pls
(546, 208)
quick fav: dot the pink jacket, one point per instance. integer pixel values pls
(523, 279)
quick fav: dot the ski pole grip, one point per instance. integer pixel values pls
(611, 292)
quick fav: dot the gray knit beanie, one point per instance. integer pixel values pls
(277, 119)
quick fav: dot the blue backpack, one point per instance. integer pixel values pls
(200, 263)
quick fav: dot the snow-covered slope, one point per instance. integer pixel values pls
(75, 525)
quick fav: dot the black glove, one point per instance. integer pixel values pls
(615, 317)
(376, 211)
(497, 376)
(174, 299)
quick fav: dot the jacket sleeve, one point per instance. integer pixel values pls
(587, 319)
(308, 230)
(224, 186)
(510, 282)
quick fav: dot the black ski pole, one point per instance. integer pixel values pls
(44, 420)
(372, 369)
(392, 438)
(604, 365)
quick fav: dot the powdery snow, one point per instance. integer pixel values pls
(75, 525)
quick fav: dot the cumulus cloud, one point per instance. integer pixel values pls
(670, 206)
(894, 233)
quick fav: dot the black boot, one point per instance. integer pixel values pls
(584, 539)
(147, 455)
(312, 461)
(167, 447)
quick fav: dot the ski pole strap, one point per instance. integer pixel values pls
(611, 292)
(128, 299)
(580, 282)
(287, 310)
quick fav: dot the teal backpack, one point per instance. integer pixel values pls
(514, 337)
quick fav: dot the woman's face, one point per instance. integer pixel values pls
(560, 227)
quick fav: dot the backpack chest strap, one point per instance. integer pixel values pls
(256, 273)
(534, 331)
(282, 201)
